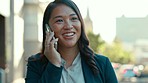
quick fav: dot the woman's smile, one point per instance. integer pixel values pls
(68, 35)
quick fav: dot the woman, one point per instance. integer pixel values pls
(72, 61)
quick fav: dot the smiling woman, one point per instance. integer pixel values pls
(73, 61)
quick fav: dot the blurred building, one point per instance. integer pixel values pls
(131, 29)
(141, 51)
(133, 33)
(88, 22)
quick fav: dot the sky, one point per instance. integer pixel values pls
(103, 13)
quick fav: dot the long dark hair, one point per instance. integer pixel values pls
(83, 42)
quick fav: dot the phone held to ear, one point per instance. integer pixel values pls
(48, 29)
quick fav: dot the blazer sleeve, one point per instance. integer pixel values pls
(35, 73)
(110, 76)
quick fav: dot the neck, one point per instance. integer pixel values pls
(69, 54)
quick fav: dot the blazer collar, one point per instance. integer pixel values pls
(88, 74)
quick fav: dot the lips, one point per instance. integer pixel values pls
(68, 34)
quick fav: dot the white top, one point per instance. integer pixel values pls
(74, 73)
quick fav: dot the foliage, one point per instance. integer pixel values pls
(95, 41)
(116, 53)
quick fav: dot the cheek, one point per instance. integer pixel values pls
(56, 30)
(79, 27)
(78, 33)
(78, 30)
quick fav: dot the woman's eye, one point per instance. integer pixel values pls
(74, 18)
(59, 20)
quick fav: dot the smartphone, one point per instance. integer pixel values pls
(48, 29)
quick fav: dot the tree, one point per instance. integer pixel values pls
(95, 41)
(116, 53)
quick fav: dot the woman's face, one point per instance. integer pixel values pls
(66, 26)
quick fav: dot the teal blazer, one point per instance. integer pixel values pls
(39, 72)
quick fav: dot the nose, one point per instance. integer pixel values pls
(68, 25)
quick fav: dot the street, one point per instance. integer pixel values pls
(136, 80)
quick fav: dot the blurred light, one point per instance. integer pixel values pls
(136, 69)
(141, 67)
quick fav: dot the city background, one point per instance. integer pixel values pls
(21, 37)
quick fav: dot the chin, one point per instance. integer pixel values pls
(70, 45)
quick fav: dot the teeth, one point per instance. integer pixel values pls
(68, 34)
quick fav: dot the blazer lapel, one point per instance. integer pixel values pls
(88, 75)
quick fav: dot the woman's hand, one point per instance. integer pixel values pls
(50, 52)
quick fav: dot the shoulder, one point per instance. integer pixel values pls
(36, 60)
(102, 61)
(35, 57)
(105, 67)
(101, 58)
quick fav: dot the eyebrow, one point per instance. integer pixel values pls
(72, 14)
(61, 16)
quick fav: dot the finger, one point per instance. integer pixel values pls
(51, 35)
(48, 38)
(47, 34)
(54, 42)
